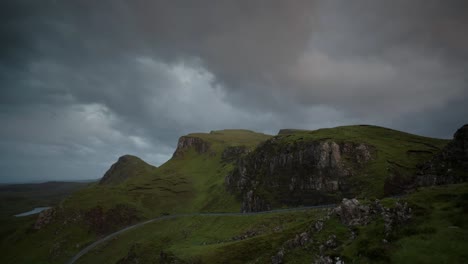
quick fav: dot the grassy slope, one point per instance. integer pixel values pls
(24, 197)
(193, 183)
(395, 150)
(436, 233)
(207, 238)
(190, 183)
(18, 198)
(127, 166)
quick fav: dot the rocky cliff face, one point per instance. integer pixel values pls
(296, 173)
(450, 165)
(187, 142)
(233, 153)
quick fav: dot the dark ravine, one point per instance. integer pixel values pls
(299, 173)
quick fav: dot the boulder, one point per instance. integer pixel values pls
(351, 212)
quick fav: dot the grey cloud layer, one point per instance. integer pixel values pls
(83, 82)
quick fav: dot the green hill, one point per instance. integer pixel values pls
(127, 166)
(240, 170)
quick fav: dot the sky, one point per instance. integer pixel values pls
(84, 82)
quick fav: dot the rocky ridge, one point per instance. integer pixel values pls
(351, 213)
(450, 165)
(297, 173)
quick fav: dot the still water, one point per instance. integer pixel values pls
(33, 211)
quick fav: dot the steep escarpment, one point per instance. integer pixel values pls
(301, 167)
(450, 165)
(126, 166)
(297, 172)
(187, 142)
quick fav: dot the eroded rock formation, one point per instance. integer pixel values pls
(450, 165)
(296, 173)
(187, 142)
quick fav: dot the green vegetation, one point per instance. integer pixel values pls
(397, 155)
(127, 166)
(207, 239)
(193, 182)
(19, 198)
(436, 233)
(20, 243)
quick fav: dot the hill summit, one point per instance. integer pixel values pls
(126, 166)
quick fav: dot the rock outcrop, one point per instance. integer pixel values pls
(396, 216)
(187, 142)
(126, 166)
(297, 172)
(299, 241)
(351, 212)
(450, 165)
(44, 218)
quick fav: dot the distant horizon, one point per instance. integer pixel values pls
(48, 181)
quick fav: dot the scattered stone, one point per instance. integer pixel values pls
(318, 226)
(278, 258)
(351, 212)
(277, 229)
(331, 241)
(353, 234)
(248, 234)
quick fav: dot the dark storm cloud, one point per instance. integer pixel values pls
(85, 81)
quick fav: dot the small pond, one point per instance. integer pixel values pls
(33, 211)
